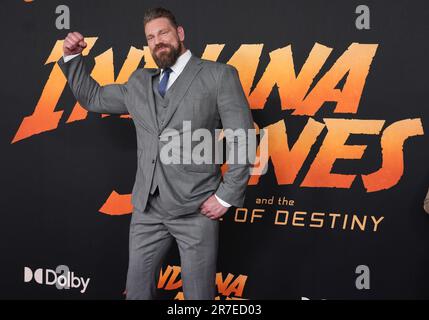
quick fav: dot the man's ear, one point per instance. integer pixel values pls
(181, 33)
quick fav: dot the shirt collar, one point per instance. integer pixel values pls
(180, 63)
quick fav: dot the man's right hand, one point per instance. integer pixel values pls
(73, 44)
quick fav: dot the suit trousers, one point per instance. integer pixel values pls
(152, 232)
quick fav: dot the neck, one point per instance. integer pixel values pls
(183, 50)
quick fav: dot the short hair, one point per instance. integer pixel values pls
(159, 12)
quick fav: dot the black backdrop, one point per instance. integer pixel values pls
(54, 183)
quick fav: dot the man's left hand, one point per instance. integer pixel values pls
(212, 209)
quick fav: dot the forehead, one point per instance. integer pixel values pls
(157, 24)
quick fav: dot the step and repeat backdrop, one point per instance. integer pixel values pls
(341, 88)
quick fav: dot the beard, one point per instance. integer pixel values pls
(167, 57)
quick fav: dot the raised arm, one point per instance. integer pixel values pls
(93, 97)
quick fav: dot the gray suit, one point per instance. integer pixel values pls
(210, 95)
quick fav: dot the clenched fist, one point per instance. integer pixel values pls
(73, 44)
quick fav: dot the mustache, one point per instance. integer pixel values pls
(161, 46)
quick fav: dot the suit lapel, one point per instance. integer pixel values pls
(185, 79)
(154, 72)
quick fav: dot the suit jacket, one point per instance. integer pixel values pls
(209, 94)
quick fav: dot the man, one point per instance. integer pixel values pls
(181, 202)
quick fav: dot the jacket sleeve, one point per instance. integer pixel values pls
(93, 97)
(236, 117)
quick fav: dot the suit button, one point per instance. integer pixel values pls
(153, 160)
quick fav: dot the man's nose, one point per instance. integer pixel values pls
(157, 40)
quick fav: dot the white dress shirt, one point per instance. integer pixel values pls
(177, 70)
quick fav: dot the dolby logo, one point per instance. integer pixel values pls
(61, 277)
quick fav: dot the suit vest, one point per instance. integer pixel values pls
(161, 107)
